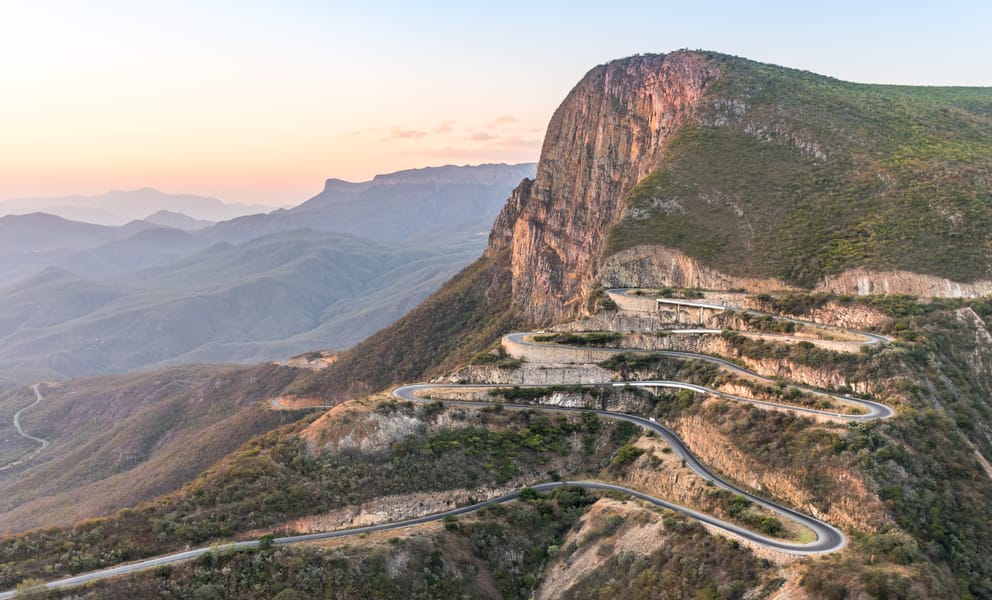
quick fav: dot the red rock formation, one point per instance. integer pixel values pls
(610, 132)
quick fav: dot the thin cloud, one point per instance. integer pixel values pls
(520, 142)
(406, 134)
(480, 136)
(501, 120)
(444, 127)
(484, 154)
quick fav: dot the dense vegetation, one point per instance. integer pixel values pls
(496, 553)
(921, 464)
(275, 477)
(931, 478)
(631, 366)
(596, 338)
(794, 175)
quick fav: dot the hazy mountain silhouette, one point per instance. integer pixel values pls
(119, 207)
(79, 299)
(177, 220)
(435, 201)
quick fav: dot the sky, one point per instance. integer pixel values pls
(260, 102)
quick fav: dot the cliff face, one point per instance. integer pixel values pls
(697, 169)
(656, 266)
(610, 132)
(863, 281)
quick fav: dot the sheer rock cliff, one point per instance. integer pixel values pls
(624, 121)
(610, 132)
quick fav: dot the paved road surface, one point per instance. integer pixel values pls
(874, 410)
(828, 538)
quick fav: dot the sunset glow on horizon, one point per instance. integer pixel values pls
(261, 102)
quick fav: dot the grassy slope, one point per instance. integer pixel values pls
(495, 554)
(796, 175)
(119, 440)
(468, 313)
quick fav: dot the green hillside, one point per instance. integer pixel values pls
(790, 174)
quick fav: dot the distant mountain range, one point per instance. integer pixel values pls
(168, 218)
(406, 205)
(120, 207)
(79, 298)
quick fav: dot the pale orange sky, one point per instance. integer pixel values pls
(259, 102)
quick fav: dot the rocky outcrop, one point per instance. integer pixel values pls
(530, 374)
(851, 504)
(501, 236)
(610, 132)
(615, 128)
(862, 282)
(658, 266)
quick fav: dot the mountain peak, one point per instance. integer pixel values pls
(697, 168)
(611, 131)
(488, 174)
(340, 185)
(177, 220)
(338, 192)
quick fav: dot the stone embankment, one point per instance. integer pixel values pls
(531, 374)
(556, 354)
(659, 266)
(863, 282)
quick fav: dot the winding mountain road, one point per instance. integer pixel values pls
(875, 410)
(20, 430)
(178, 557)
(828, 538)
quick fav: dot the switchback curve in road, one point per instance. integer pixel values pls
(875, 410)
(177, 557)
(828, 537)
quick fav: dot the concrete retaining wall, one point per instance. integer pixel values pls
(635, 303)
(556, 354)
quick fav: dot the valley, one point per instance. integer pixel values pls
(80, 299)
(729, 339)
